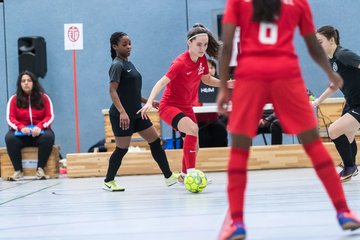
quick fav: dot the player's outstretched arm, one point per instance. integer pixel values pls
(154, 92)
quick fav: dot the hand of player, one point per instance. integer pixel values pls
(222, 102)
(155, 104)
(263, 123)
(35, 131)
(124, 121)
(315, 103)
(145, 109)
(335, 81)
(230, 83)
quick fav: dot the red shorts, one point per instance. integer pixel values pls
(167, 113)
(289, 99)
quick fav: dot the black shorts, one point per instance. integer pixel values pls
(355, 112)
(136, 125)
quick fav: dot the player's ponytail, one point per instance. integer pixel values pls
(330, 32)
(115, 37)
(213, 44)
(266, 10)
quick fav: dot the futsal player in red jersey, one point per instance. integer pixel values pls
(268, 72)
(182, 83)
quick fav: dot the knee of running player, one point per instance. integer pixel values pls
(192, 129)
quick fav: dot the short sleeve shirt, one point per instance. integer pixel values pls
(266, 50)
(129, 91)
(346, 63)
(185, 76)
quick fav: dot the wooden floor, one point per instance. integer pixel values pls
(281, 204)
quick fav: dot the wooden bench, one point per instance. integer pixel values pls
(208, 160)
(136, 140)
(29, 161)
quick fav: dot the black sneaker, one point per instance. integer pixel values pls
(347, 173)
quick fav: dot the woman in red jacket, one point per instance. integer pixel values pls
(29, 114)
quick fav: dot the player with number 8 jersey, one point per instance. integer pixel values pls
(270, 41)
(268, 72)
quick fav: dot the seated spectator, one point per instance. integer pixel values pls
(212, 129)
(270, 124)
(29, 115)
(98, 147)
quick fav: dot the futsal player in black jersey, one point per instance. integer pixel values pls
(343, 130)
(125, 92)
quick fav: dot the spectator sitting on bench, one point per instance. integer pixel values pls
(29, 115)
(269, 123)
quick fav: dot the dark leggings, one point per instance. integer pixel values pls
(14, 145)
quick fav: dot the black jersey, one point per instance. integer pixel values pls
(346, 63)
(129, 90)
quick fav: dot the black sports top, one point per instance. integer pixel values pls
(346, 63)
(129, 90)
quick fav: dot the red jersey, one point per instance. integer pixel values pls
(185, 76)
(266, 50)
(18, 118)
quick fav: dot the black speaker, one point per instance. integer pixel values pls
(32, 55)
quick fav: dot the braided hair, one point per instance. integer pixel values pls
(114, 39)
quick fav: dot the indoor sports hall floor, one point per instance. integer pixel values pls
(281, 204)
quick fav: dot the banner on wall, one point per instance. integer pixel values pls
(73, 39)
(73, 36)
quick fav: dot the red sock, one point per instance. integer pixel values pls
(237, 178)
(183, 169)
(325, 170)
(189, 150)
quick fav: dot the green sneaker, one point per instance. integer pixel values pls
(173, 179)
(112, 186)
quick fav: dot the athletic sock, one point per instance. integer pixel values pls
(159, 155)
(325, 169)
(114, 163)
(189, 151)
(183, 168)
(237, 179)
(354, 150)
(345, 150)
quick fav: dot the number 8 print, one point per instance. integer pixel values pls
(268, 33)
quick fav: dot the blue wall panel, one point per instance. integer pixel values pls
(3, 83)
(158, 35)
(158, 32)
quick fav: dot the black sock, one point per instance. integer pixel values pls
(354, 150)
(159, 155)
(114, 163)
(345, 150)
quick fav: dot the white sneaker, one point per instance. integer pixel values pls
(18, 175)
(181, 178)
(40, 174)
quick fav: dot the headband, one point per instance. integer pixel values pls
(196, 35)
